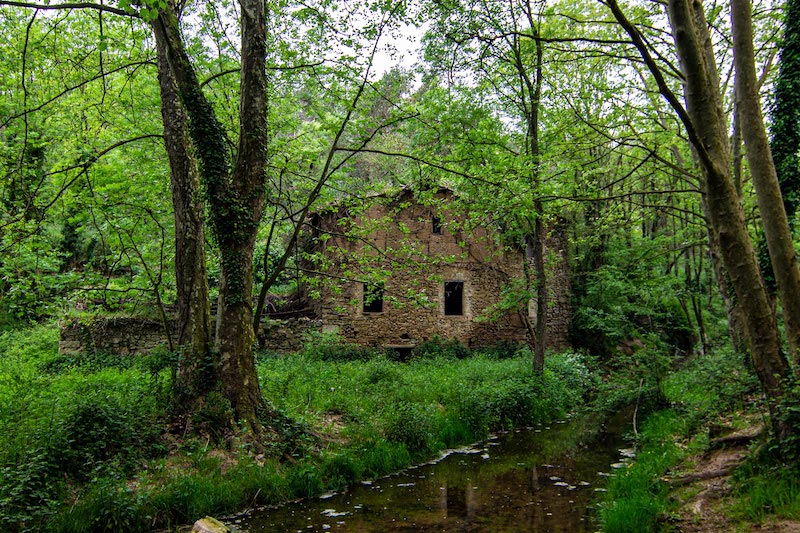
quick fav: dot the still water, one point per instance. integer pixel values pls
(535, 479)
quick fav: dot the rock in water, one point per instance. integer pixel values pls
(209, 525)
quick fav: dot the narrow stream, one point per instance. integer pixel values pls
(536, 479)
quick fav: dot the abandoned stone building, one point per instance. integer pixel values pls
(398, 271)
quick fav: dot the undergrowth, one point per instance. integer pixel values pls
(768, 485)
(83, 445)
(637, 498)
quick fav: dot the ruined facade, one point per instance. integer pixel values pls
(397, 272)
(394, 272)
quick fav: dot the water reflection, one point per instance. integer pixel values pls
(521, 481)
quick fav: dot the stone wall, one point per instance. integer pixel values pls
(286, 336)
(117, 335)
(138, 336)
(395, 243)
(559, 305)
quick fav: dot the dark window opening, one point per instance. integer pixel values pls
(453, 297)
(373, 297)
(437, 225)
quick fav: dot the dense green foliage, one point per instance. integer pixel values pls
(629, 296)
(86, 223)
(785, 134)
(65, 422)
(429, 402)
(638, 497)
(83, 447)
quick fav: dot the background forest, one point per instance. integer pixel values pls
(159, 156)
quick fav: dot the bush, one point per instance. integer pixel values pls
(330, 346)
(304, 480)
(502, 350)
(438, 347)
(410, 424)
(68, 425)
(630, 297)
(108, 505)
(637, 379)
(382, 372)
(30, 492)
(709, 384)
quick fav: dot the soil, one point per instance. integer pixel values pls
(704, 489)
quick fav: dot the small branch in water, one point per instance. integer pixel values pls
(636, 409)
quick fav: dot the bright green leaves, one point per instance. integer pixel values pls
(147, 10)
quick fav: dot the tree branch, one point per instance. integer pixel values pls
(72, 5)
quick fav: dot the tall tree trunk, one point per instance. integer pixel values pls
(235, 198)
(194, 314)
(531, 91)
(706, 127)
(736, 143)
(239, 206)
(765, 178)
(732, 309)
(542, 289)
(706, 121)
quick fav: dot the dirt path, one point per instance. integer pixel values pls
(704, 491)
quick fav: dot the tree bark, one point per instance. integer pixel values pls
(765, 178)
(540, 231)
(706, 127)
(708, 132)
(194, 314)
(531, 91)
(239, 207)
(235, 197)
(732, 309)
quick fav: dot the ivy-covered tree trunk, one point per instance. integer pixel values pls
(785, 142)
(785, 131)
(235, 196)
(765, 179)
(194, 314)
(237, 206)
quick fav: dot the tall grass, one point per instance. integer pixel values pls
(64, 425)
(636, 498)
(427, 403)
(766, 491)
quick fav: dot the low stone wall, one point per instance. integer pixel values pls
(138, 336)
(118, 335)
(286, 336)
